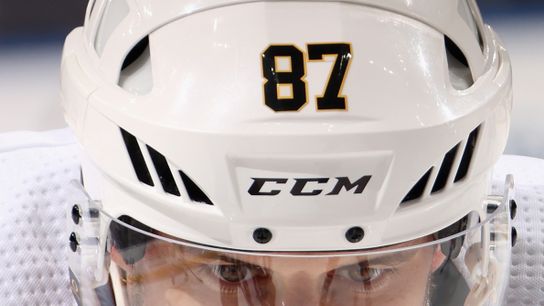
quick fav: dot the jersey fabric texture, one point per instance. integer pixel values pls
(36, 167)
(34, 171)
(527, 270)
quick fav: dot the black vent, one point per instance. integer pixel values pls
(195, 193)
(454, 50)
(136, 52)
(136, 75)
(419, 187)
(458, 66)
(163, 171)
(445, 169)
(467, 155)
(138, 161)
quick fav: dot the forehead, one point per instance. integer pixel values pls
(390, 257)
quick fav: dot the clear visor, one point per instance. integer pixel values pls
(137, 265)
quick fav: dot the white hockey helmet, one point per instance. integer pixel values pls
(288, 153)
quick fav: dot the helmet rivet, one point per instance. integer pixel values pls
(76, 214)
(74, 243)
(513, 209)
(262, 235)
(355, 234)
(491, 208)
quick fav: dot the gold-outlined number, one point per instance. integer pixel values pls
(331, 98)
(275, 78)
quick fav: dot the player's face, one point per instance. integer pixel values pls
(174, 275)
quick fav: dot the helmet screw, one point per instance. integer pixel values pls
(74, 243)
(513, 209)
(355, 234)
(262, 235)
(514, 236)
(76, 214)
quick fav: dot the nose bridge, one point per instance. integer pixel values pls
(301, 288)
(303, 281)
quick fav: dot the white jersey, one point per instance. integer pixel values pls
(35, 168)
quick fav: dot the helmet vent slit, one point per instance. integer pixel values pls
(445, 169)
(171, 178)
(163, 171)
(453, 161)
(195, 193)
(136, 52)
(458, 67)
(137, 158)
(136, 72)
(417, 191)
(467, 155)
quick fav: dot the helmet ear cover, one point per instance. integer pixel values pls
(130, 244)
(452, 248)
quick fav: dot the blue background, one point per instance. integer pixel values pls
(46, 21)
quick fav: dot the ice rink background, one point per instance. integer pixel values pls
(32, 33)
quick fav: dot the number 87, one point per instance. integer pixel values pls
(294, 78)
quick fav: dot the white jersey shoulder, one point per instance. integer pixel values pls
(525, 286)
(34, 171)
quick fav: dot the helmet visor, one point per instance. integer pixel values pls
(146, 267)
(180, 275)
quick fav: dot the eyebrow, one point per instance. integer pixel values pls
(390, 259)
(394, 259)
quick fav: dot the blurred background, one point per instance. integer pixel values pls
(32, 33)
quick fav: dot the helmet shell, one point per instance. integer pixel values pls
(198, 102)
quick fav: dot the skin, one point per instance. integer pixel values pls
(173, 275)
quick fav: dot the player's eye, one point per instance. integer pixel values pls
(364, 278)
(232, 273)
(236, 272)
(363, 274)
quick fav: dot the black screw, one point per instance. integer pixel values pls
(513, 209)
(76, 214)
(262, 235)
(73, 242)
(355, 234)
(514, 236)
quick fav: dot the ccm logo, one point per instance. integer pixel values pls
(342, 183)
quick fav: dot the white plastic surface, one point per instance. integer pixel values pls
(33, 245)
(448, 16)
